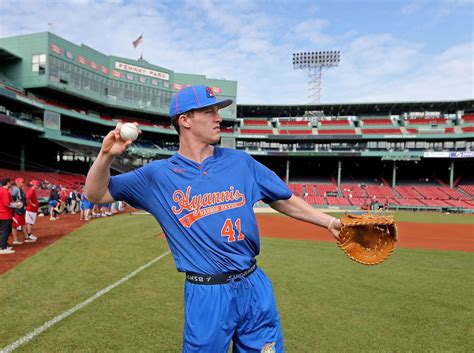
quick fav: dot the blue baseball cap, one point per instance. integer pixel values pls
(195, 97)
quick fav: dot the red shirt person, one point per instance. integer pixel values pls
(32, 207)
(6, 214)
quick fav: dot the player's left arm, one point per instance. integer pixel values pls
(297, 208)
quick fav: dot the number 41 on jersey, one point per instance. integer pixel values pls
(228, 230)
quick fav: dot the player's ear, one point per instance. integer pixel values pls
(184, 119)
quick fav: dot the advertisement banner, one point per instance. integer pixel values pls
(56, 49)
(467, 154)
(436, 154)
(116, 73)
(82, 60)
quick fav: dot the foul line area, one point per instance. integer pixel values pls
(79, 306)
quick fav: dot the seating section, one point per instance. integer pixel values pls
(322, 189)
(453, 193)
(338, 201)
(69, 181)
(467, 129)
(106, 117)
(255, 122)
(407, 192)
(227, 130)
(468, 189)
(352, 190)
(296, 189)
(362, 195)
(259, 126)
(430, 192)
(315, 200)
(380, 192)
(468, 118)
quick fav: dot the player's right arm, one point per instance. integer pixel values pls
(97, 181)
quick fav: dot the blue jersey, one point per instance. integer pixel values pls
(205, 210)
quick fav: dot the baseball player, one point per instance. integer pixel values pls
(202, 197)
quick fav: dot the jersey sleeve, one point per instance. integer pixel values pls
(269, 186)
(132, 187)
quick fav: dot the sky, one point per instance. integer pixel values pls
(391, 50)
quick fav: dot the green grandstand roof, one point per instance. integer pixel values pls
(6, 56)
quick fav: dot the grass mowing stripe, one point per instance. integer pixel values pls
(79, 306)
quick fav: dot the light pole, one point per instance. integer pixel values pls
(312, 63)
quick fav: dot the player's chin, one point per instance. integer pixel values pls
(215, 138)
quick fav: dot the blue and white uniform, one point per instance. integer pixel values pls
(206, 213)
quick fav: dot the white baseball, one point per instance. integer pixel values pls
(129, 131)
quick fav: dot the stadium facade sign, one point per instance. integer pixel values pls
(141, 70)
(468, 154)
(436, 154)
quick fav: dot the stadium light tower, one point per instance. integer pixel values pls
(312, 63)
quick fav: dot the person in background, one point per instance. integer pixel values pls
(6, 214)
(53, 204)
(78, 201)
(63, 195)
(72, 202)
(32, 207)
(18, 195)
(86, 207)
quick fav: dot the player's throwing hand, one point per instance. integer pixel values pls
(113, 144)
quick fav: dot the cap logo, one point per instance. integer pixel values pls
(209, 92)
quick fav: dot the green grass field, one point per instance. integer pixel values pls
(417, 301)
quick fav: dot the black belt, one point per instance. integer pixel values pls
(223, 278)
